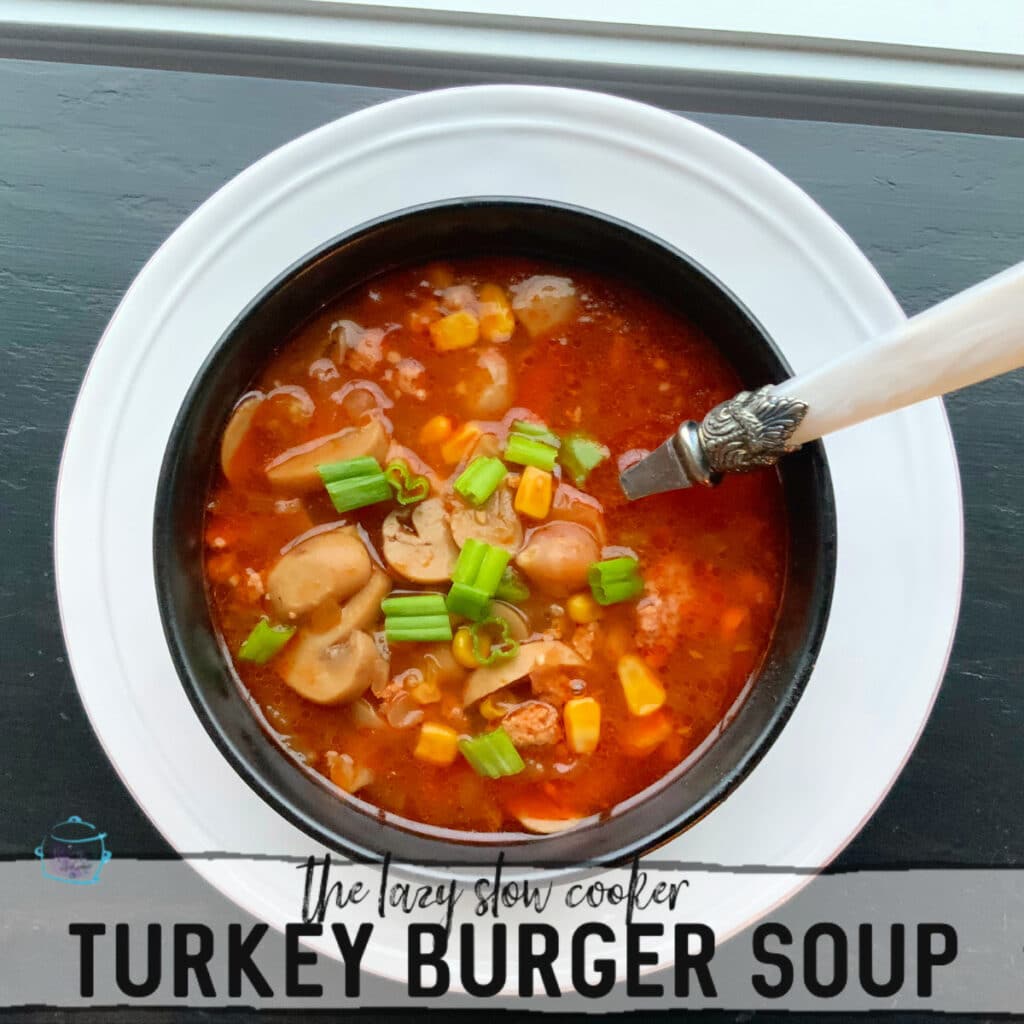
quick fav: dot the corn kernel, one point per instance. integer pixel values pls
(455, 331)
(582, 717)
(642, 689)
(462, 648)
(436, 430)
(533, 496)
(426, 693)
(437, 744)
(497, 322)
(583, 609)
(456, 447)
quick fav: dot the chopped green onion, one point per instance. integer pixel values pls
(469, 601)
(537, 431)
(468, 563)
(475, 579)
(491, 569)
(416, 618)
(418, 629)
(358, 492)
(480, 479)
(512, 587)
(264, 642)
(502, 646)
(615, 580)
(364, 465)
(580, 454)
(492, 754)
(354, 483)
(528, 452)
(413, 604)
(409, 487)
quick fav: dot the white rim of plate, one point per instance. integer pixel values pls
(752, 228)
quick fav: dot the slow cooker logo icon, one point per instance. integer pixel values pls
(73, 852)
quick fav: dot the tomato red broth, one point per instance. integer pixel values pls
(624, 370)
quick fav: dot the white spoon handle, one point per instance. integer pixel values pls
(970, 337)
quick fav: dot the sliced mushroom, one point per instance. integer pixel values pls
(422, 551)
(364, 715)
(557, 556)
(332, 667)
(296, 469)
(235, 431)
(535, 655)
(543, 303)
(547, 826)
(327, 565)
(362, 609)
(495, 522)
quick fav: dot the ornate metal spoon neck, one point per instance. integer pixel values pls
(747, 432)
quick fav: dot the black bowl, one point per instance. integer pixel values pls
(570, 236)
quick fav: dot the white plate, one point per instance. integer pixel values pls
(896, 483)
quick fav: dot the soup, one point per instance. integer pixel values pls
(419, 556)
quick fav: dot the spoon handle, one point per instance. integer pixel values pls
(976, 334)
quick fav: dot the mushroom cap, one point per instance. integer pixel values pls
(332, 667)
(296, 468)
(536, 654)
(557, 556)
(362, 609)
(236, 429)
(425, 553)
(327, 565)
(494, 522)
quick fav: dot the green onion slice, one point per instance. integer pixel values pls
(413, 604)
(347, 469)
(512, 587)
(409, 487)
(537, 431)
(615, 580)
(580, 454)
(354, 483)
(468, 601)
(470, 557)
(526, 451)
(477, 574)
(418, 629)
(481, 565)
(497, 631)
(480, 479)
(358, 492)
(264, 642)
(492, 754)
(415, 618)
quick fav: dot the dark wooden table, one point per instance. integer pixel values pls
(99, 165)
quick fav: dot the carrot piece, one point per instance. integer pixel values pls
(732, 620)
(640, 736)
(455, 448)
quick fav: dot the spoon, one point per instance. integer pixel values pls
(970, 337)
